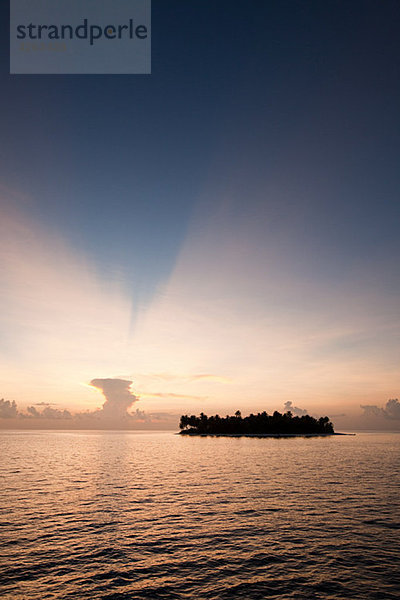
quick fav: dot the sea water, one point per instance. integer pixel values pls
(134, 515)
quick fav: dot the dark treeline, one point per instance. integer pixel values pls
(261, 423)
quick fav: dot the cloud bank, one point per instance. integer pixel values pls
(391, 410)
(48, 413)
(115, 412)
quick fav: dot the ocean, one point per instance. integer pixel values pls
(135, 515)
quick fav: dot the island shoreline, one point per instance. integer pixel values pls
(260, 435)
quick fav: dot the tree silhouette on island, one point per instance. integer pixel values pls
(260, 424)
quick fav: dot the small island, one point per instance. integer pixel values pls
(261, 424)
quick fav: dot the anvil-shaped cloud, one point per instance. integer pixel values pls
(118, 395)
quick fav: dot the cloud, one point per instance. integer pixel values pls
(393, 409)
(118, 395)
(8, 410)
(390, 411)
(298, 412)
(48, 413)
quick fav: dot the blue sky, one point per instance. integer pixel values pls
(259, 159)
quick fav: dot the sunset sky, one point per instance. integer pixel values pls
(222, 233)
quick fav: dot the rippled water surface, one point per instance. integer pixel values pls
(155, 515)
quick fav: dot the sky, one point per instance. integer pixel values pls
(222, 234)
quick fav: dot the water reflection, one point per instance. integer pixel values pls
(125, 515)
